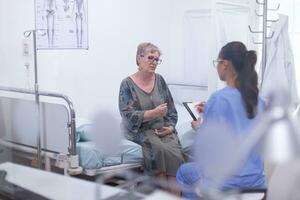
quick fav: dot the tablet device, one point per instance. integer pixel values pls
(190, 107)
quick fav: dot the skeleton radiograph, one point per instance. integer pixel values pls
(66, 5)
(79, 15)
(64, 23)
(50, 7)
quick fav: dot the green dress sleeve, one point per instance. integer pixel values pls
(129, 107)
(171, 117)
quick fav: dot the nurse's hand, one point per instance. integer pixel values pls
(200, 107)
(196, 124)
(166, 130)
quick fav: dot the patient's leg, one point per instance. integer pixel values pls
(162, 177)
(171, 184)
(173, 187)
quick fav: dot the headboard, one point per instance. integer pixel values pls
(19, 124)
(18, 114)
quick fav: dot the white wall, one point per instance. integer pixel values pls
(92, 77)
(176, 36)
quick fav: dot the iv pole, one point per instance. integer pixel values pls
(36, 91)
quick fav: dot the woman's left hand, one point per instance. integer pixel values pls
(166, 130)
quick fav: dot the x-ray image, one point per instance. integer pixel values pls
(66, 5)
(64, 22)
(50, 8)
(79, 17)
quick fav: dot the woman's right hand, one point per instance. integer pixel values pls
(161, 110)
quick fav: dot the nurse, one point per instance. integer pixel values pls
(236, 105)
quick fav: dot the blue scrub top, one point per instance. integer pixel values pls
(227, 106)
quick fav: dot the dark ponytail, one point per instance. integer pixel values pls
(243, 62)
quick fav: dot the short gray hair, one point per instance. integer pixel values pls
(144, 48)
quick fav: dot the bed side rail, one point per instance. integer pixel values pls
(73, 159)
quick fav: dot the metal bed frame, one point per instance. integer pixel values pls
(72, 158)
(69, 162)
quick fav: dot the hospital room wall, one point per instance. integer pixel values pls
(92, 77)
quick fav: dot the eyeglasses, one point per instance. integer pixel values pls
(153, 58)
(216, 62)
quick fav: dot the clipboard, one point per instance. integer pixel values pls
(187, 106)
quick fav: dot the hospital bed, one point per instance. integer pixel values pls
(130, 154)
(52, 123)
(70, 148)
(39, 130)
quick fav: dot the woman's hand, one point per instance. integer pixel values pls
(200, 107)
(196, 124)
(161, 110)
(166, 130)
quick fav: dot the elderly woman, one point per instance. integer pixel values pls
(149, 115)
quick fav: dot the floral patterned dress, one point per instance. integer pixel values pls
(161, 154)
